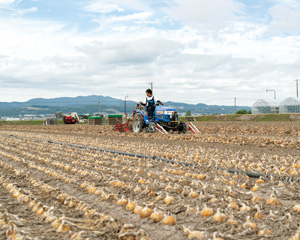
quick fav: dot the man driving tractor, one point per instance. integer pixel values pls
(164, 120)
(150, 103)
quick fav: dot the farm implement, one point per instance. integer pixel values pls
(124, 127)
(71, 118)
(165, 119)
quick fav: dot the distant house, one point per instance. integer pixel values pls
(10, 119)
(29, 116)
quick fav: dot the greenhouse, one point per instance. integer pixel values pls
(290, 105)
(262, 107)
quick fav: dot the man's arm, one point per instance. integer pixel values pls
(143, 104)
(158, 101)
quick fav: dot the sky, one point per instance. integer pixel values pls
(193, 51)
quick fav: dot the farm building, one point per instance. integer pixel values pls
(262, 107)
(289, 105)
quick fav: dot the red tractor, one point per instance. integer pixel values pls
(71, 118)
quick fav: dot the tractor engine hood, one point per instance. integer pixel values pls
(165, 110)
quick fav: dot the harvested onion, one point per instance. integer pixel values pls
(219, 217)
(169, 199)
(146, 212)
(206, 211)
(249, 224)
(156, 216)
(169, 220)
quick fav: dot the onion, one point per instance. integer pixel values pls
(146, 212)
(169, 199)
(219, 217)
(130, 206)
(156, 216)
(206, 211)
(169, 220)
(249, 224)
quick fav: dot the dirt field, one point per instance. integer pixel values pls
(53, 191)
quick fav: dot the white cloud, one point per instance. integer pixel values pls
(8, 4)
(136, 17)
(246, 41)
(105, 6)
(207, 14)
(285, 20)
(206, 57)
(33, 40)
(288, 3)
(25, 11)
(12, 7)
(130, 52)
(184, 64)
(3, 2)
(102, 7)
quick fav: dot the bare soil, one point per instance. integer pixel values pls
(46, 171)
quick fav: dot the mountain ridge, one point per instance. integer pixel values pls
(108, 105)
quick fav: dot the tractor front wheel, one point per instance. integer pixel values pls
(138, 124)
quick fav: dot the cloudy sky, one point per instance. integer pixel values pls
(194, 51)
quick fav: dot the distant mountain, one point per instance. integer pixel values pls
(90, 104)
(202, 108)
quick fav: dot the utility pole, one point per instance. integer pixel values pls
(297, 80)
(151, 86)
(271, 90)
(126, 97)
(234, 105)
(99, 105)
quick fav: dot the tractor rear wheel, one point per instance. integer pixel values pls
(138, 124)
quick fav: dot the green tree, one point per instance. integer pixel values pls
(188, 114)
(84, 116)
(242, 112)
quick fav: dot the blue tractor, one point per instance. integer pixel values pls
(166, 117)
